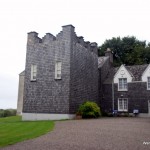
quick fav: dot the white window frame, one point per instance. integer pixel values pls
(124, 102)
(123, 85)
(148, 83)
(58, 68)
(33, 72)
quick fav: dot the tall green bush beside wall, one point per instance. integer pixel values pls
(89, 110)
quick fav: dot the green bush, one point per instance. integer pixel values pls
(1, 113)
(7, 112)
(89, 110)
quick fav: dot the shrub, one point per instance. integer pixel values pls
(1, 113)
(107, 114)
(7, 112)
(89, 110)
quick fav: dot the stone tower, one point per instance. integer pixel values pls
(61, 73)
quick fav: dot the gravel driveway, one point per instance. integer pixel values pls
(93, 134)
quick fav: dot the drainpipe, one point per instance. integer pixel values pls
(113, 95)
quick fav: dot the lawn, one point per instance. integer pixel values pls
(13, 130)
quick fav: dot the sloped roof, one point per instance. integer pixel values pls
(136, 71)
(102, 60)
(22, 73)
(110, 75)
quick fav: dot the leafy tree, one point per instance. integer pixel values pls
(127, 50)
(146, 54)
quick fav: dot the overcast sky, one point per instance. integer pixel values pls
(95, 20)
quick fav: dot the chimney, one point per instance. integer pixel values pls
(109, 54)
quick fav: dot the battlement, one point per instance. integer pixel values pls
(33, 37)
(67, 34)
(90, 46)
(48, 38)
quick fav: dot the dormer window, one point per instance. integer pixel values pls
(148, 83)
(122, 84)
(122, 77)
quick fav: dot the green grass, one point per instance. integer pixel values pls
(13, 130)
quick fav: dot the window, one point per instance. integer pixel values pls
(148, 83)
(122, 104)
(122, 84)
(58, 70)
(33, 72)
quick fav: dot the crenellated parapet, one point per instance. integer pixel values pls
(48, 38)
(67, 35)
(94, 47)
(81, 40)
(90, 46)
(61, 73)
(33, 38)
(59, 36)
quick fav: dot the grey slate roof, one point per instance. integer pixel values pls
(102, 60)
(135, 70)
(22, 73)
(110, 75)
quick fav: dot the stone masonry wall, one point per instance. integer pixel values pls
(84, 73)
(47, 95)
(79, 80)
(106, 99)
(137, 95)
(103, 72)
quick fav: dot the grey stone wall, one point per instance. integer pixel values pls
(47, 95)
(79, 72)
(84, 73)
(106, 99)
(103, 72)
(137, 95)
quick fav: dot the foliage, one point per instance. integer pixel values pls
(107, 114)
(127, 50)
(89, 110)
(13, 130)
(7, 112)
(125, 114)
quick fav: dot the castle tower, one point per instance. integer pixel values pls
(61, 73)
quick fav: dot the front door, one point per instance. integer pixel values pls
(149, 107)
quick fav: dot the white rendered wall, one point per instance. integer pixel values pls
(20, 94)
(40, 116)
(122, 73)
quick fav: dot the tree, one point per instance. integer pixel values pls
(127, 50)
(146, 54)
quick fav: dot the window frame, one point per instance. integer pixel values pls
(33, 72)
(148, 83)
(123, 109)
(58, 70)
(123, 85)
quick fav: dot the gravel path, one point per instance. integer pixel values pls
(93, 134)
